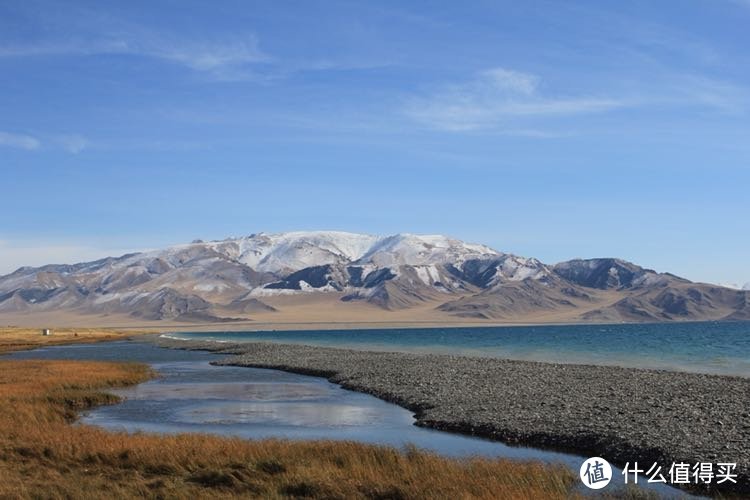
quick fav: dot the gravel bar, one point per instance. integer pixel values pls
(621, 414)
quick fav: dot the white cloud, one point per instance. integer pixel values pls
(73, 143)
(37, 253)
(210, 57)
(494, 98)
(505, 79)
(203, 56)
(20, 141)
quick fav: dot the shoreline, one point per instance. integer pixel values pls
(303, 325)
(266, 326)
(623, 414)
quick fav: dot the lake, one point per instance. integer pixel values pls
(708, 347)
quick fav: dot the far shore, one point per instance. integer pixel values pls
(89, 324)
(82, 322)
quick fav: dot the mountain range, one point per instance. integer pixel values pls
(328, 275)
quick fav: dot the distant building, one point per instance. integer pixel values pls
(46, 331)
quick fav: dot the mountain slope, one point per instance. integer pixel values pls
(267, 274)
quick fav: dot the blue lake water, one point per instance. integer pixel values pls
(709, 347)
(191, 395)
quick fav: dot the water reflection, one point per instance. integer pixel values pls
(296, 414)
(256, 391)
(256, 403)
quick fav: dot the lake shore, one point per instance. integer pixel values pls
(623, 414)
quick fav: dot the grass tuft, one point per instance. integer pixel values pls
(391, 492)
(271, 467)
(213, 479)
(303, 489)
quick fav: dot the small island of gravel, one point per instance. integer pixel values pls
(623, 414)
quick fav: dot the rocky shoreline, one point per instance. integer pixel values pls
(622, 414)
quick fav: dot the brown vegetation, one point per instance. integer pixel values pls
(19, 339)
(43, 456)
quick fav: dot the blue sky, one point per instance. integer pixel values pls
(547, 129)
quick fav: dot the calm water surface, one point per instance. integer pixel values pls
(709, 347)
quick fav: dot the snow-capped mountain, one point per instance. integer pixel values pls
(246, 276)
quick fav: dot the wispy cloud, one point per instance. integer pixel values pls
(513, 81)
(493, 98)
(707, 92)
(20, 141)
(212, 57)
(217, 56)
(230, 59)
(72, 143)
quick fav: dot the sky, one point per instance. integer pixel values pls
(548, 129)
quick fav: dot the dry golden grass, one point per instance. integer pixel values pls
(18, 339)
(43, 456)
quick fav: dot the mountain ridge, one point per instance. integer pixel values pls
(238, 278)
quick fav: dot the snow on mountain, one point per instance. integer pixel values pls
(736, 286)
(516, 268)
(292, 251)
(422, 250)
(297, 250)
